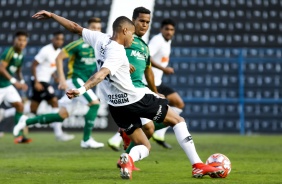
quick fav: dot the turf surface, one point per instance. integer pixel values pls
(255, 159)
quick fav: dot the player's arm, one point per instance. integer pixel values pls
(149, 75)
(69, 25)
(90, 83)
(60, 69)
(21, 78)
(5, 73)
(37, 85)
(166, 70)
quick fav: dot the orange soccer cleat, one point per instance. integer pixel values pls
(125, 138)
(22, 140)
(126, 165)
(201, 169)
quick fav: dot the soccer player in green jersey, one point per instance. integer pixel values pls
(81, 66)
(139, 57)
(10, 64)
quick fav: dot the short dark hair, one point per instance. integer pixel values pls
(120, 21)
(21, 33)
(94, 20)
(57, 33)
(167, 22)
(138, 10)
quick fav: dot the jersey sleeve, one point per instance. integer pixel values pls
(41, 56)
(71, 48)
(91, 37)
(113, 60)
(7, 55)
(154, 46)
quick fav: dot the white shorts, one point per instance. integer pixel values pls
(9, 94)
(145, 121)
(84, 99)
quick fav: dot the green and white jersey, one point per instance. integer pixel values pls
(82, 61)
(14, 61)
(139, 56)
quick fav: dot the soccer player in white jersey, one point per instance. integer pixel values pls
(127, 103)
(43, 68)
(160, 48)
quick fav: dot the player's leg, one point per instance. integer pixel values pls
(42, 119)
(57, 126)
(89, 98)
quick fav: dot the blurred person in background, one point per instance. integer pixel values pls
(10, 64)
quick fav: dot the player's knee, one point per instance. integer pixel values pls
(181, 105)
(18, 106)
(63, 113)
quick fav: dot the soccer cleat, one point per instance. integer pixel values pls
(161, 142)
(201, 169)
(1, 114)
(65, 137)
(125, 138)
(21, 124)
(91, 143)
(22, 140)
(133, 167)
(114, 146)
(126, 165)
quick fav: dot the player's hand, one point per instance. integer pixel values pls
(42, 15)
(24, 87)
(18, 85)
(72, 93)
(161, 95)
(168, 70)
(63, 85)
(132, 68)
(38, 86)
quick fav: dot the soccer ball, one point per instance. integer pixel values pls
(219, 160)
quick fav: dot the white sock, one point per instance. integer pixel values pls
(138, 152)
(177, 110)
(9, 112)
(116, 139)
(57, 126)
(160, 134)
(184, 138)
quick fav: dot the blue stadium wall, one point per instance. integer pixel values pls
(226, 55)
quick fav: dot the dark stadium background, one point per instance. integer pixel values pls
(226, 55)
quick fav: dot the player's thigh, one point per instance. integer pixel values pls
(53, 102)
(148, 127)
(12, 97)
(139, 138)
(175, 100)
(172, 118)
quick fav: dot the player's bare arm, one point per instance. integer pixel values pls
(149, 75)
(21, 79)
(90, 83)
(60, 70)
(69, 25)
(166, 70)
(37, 85)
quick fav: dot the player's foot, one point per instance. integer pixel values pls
(65, 137)
(22, 140)
(161, 142)
(21, 124)
(125, 138)
(200, 169)
(133, 167)
(126, 164)
(91, 143)
(1, 114)
(113, 145)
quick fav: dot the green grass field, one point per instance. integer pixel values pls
(255, 159)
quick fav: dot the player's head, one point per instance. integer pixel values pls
(58, 39)
(141, 19)
(20, 40)
(168, 28)
(94, 24)
(123, 29)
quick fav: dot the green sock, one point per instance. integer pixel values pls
(18, 115)
(159, 126)
(131, 145)
(89, 121)
(44, 119)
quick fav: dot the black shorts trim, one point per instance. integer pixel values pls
(165, 90)
(150, 107)
(47, 94)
